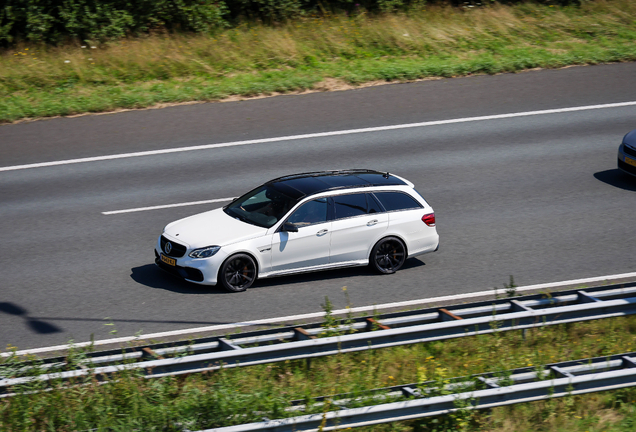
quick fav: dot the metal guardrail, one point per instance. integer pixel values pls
(476, 392)
(393, 329)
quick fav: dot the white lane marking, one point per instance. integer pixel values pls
(315, 135)
(166, 206)
(295, 318)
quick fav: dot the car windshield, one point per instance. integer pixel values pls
(263, 206)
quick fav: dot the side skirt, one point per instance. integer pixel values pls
(314, 268)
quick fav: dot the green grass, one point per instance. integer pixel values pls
(318, 53)
(240, 395)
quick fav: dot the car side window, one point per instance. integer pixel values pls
(393, 201)
(346, 206)
(310, 213)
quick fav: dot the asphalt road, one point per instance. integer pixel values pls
(536, 197)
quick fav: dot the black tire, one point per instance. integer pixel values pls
(238, 273)
(388, 255)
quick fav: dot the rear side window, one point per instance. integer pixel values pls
(346, 206)
(393, 201)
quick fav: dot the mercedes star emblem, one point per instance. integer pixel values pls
(168, 247)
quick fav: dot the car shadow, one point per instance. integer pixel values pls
(617, 178)
(327, 275)
(151, 276)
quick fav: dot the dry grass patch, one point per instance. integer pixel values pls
(305, 55)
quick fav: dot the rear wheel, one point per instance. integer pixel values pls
(388, 255)
(238, 273)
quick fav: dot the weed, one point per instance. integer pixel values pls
(330, 322)
(334, 326)
(510, 288)
(110, 323)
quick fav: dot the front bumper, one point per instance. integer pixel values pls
(626, 161)
(187, 273)
(202, 271)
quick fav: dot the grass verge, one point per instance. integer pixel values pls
(240, 395)
(312, 54)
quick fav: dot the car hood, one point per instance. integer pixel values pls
(213, 228)
(630, 138)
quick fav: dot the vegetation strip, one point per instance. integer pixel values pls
(236, 396)
(459, 394)
(311, 53)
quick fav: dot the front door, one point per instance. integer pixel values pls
(309, 247)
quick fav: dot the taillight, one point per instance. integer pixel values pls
(429, 219)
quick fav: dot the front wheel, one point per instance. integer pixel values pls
(238, 273)
(388, 255)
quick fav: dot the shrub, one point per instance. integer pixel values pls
(53, 21)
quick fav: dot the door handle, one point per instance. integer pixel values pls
(322, 232)
(373, 222)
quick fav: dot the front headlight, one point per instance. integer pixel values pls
(205, 252)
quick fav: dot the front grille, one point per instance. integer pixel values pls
(629, 151)
(178, 250)
(188, 273)
(626, 167)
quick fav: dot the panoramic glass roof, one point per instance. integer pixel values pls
(313, 183)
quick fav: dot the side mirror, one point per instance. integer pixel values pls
(289, 227)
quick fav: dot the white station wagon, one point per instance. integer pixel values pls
(301, 223)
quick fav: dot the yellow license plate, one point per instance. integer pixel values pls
(169, 261)
(629, 161)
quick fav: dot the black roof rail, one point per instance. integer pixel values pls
(323, 173)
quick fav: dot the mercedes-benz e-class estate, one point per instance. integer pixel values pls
(300, 223)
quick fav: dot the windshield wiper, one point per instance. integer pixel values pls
(231, 212)
(242, 217)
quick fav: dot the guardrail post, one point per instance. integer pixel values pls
(301, 334)
(628, 362)
(411, 392)
(227, 345)
(446, 315)
(147, 352)
(583, 297)
(517, 306)
(374, 323)
(561, 373)
(489, 382)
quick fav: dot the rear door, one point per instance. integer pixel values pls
(358, 223)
